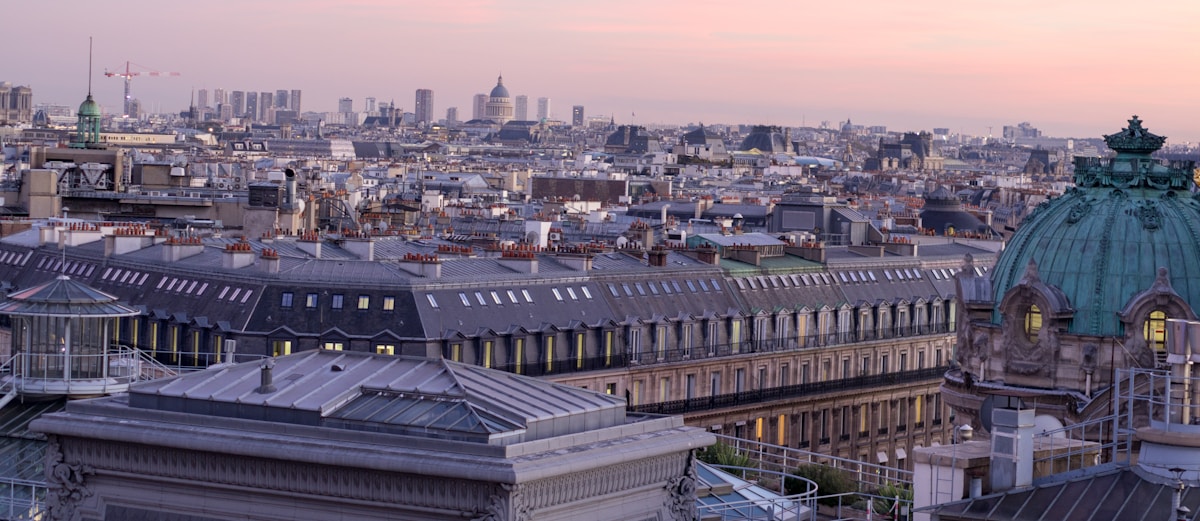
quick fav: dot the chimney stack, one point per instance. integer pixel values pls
(657, 256)
(289, 200)
(707, 254)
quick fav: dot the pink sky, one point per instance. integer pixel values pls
(1071, 68)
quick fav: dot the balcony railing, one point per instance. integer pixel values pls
(644, 357)
(719, 401)
(655, 355)
(568, 365)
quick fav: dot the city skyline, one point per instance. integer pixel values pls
(1070, 67)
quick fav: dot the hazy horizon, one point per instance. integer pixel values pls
(1072, 69)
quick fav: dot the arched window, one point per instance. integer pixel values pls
(1033, 323)
(1155, 329)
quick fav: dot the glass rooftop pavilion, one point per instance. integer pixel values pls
(61, 343)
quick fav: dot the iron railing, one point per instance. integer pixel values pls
(868, 477)
(657, 355)
(186, 361)
(653, 355)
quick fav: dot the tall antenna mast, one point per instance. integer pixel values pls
(89, 65)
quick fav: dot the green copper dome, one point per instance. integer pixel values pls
(1103, 241)
(89, 107)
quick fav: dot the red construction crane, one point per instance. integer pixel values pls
(129, 74)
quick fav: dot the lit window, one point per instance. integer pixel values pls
(1155, 329)
(364, 302)
(1033, 323)
(281, 347)
(389, 303)
(287, 300)
(337, 301)
(310, 301)
(385, 349)
(333, 346)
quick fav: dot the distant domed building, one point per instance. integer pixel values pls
(767, 139)
(499, 106)
(1085, 287)
(632, 139)
(944, 214)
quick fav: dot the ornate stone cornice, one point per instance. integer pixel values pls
(606, 480)
(282, 476)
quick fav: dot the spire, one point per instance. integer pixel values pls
(89, 96)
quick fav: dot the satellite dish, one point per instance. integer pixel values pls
(533, 237)
(621, 242)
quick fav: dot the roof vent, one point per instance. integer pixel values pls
(337, 368)
(266, 384)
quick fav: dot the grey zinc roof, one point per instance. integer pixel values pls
(393, 394)
(64, 297)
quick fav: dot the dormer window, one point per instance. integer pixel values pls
(1033, 323)
(1155, 330)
